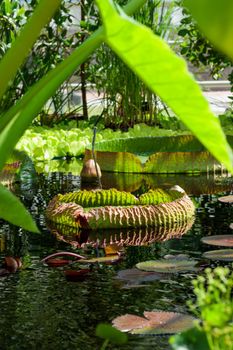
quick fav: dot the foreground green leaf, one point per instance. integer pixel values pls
(218, 25)
(12, 210)
(166, 75)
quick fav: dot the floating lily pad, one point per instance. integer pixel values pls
(226, 199)
(167, 265)
(138, 276)
(155, 322)
(221, 240)
(102, 259)
(222, 254)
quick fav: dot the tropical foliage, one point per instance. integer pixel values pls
(81, 208)
(213, 306)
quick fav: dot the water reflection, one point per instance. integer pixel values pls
(123, 237)
(41, 310)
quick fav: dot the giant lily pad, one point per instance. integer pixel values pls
(222, 254)
(221, 240)
(155, 322)
(167, 265)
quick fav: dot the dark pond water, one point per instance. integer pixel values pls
(41, 310)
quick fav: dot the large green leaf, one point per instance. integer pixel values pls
(218, 24)
(21, 46)
(165, 74)
(12, 210)
(18, 118)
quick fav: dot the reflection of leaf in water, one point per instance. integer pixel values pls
(120, 237)
(155, 322)
(221, 254)
(221, 240)
(167, 265)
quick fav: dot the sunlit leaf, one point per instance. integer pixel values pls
(221, 240)
(165, 74)
(155, 322)
(12, 210)
(217, 26)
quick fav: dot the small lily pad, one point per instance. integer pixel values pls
(154, 323)
(221, 254)
(138, 276)
(167, 265)
(221, 240)
(226, 199)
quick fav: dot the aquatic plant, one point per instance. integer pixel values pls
(214, 307)
(179, 209)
